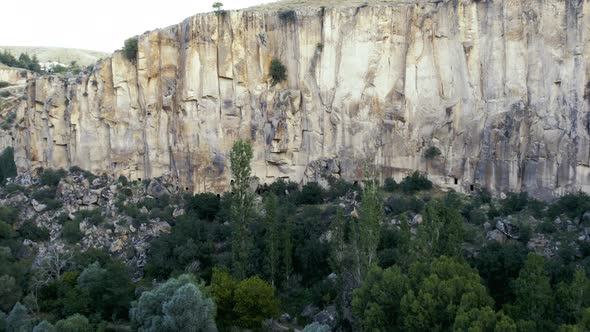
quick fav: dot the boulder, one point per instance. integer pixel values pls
(496, 235)
(508, 229)
(38, 207)
(326, 316)
(90, 198)
(156, 189)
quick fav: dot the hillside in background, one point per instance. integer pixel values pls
(57, 54)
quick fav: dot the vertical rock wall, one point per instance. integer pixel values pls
(499, 87)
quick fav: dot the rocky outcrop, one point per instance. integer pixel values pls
(501, 88)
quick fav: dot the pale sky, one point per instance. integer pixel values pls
(100, 25)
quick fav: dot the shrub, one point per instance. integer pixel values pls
(123, 180)
(74, 323)
(431, 153)
(288, 15)
(340, 187)
(130, 49)
(311, 193)
(50, 177)
(5, 231)
(281, 187)
(9, 214)
(572, 204)
(4, 84)
(514, 202)
(206, 205)
(403, 203)
(278, 72)
(4, 94)
(94, 216)
(7, 165)
(415, 182)
(34, 233)
(390, 185)
(71, 231)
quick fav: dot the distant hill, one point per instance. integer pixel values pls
(57, 54)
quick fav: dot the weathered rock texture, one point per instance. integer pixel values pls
(500, 87)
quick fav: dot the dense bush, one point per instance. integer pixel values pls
(571, 204)
(7, 165)
(205, 205)
(415, 182)
(51, 177)
(71, 231)
(311, 193)
(278, 71)
(4, 84)
(130, 49)
(431, 153)
(32, 232)
(94, 216)
(390, 185)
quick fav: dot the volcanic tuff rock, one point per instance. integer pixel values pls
(499, 87)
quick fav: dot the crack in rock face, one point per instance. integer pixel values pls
(494, 86)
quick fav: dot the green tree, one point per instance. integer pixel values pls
(74, 323)
(484, 320)
(108, 289)
(44, 326)
(441, 289)
(7, 165)
(241, 207)
(18, 320)
(442, 230)
(272, 236)
(366, 230)
(223, 286)
(218, 6)
(255, 301)
(376, 304)
(287, 241)
(176, 305)
(571, 299)
(534, 296)
(130, 48)
(10, 292)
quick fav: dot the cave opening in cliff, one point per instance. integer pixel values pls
(472, 187)
(456, 180)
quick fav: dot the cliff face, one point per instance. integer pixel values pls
(499, 87)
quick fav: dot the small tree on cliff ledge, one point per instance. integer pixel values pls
(278, 71)
(218, 6)
(241, 206)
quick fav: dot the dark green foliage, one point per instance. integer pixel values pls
(311, 193)
(9, 214)
(74, 323)
(4, 84)
(390, 185)
(288, 15)
(24, 61)
(415, 182)
(499, 265)
(205, 205)
(442, 230)
(130, 49)
(403, 203)
(94, 216)
(514, 202)
(278, 71)
(7, 165)
(572, 205)
(71, 231)
(50, 177)
(376, 304)
(32, 232)
(534, 296)
(47, 196)
(107, 289)
(340, 187)
(10, 292)
(431, 153)
(281, 188)
(123, 180)
(188, 243)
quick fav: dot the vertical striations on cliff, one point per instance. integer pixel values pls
(501, 88)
